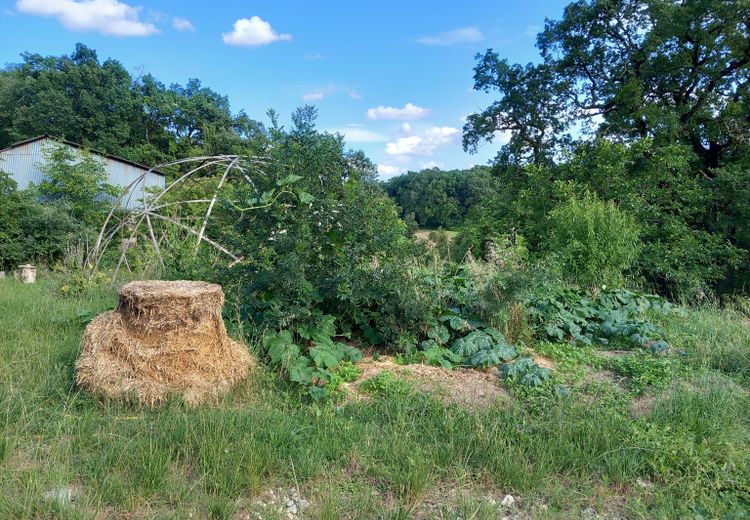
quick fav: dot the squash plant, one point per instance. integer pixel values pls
(311, 356)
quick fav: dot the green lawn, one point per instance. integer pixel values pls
(679, 449)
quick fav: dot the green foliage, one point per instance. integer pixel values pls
(386, 384)
(483, 348)
(611, 317)
(318, 363)
(436, 355)
(434, 198)
(594, 240)
(348, 371)
(663, 114)
(643, 369)
(77, 179)
(31, 231)
(140, 119)
(524, 371)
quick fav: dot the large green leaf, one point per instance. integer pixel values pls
(439, 333)
(281, 348)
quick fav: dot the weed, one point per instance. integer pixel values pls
(386, 384)
(643, 369)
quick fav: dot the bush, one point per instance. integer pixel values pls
(31, 231)
(595, 241)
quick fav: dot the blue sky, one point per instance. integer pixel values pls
(395, 77)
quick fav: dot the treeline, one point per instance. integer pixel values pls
(437, 198)
(102, 106)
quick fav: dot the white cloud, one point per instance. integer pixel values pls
(456, 36)
(182, 24)
(253, 32)
(502, 136)
(409, 111)
(314, 96)
(324, 92)
(387, 171)
(315, 57)
(109, 17)
(531, 31)
(357, 134)
(431, 164)
(423, 144)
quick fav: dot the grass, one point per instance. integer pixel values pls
(400, 454)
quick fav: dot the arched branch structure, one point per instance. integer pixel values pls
(138, 212)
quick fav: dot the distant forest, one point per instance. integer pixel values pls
(438, 198)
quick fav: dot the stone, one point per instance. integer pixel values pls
(508, 501)
(27, 273)
(590, 512)
(63, 495)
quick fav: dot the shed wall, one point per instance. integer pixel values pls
(23, 163)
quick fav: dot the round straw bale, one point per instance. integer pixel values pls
(164, 338)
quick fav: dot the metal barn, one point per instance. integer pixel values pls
(22, 161)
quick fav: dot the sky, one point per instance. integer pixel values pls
(394, 77)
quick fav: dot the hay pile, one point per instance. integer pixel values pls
(165, 338)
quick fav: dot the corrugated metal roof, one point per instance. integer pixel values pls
(81, 147)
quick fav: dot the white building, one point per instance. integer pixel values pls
(24, 160)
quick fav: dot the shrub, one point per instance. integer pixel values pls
(595, 241)
(31, 231)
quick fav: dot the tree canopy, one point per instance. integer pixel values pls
(646, 104)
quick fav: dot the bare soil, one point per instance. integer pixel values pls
(467, 387)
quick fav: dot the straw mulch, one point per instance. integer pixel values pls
(164, 339)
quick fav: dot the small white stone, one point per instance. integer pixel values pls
(303, 504)
(64, 495)
(508, 501)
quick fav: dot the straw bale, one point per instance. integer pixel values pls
(164, 338)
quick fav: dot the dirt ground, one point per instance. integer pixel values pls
(467, 387)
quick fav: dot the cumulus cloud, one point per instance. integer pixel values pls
(431, 164)
(108, 17)
(253, 32)
(408, 112)
(386, 171)
(461, 35)
(357, 134)
(502, 136)
(424, 143)
(182, 24)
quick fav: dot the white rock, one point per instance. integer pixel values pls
(303, 504)
(64, 495)
(508, 501)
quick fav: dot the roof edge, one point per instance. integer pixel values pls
(82, 147)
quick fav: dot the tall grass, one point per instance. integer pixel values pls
(357, 460)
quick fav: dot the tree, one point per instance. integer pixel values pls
(77, 179)
(656, 93)
(672, 71)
